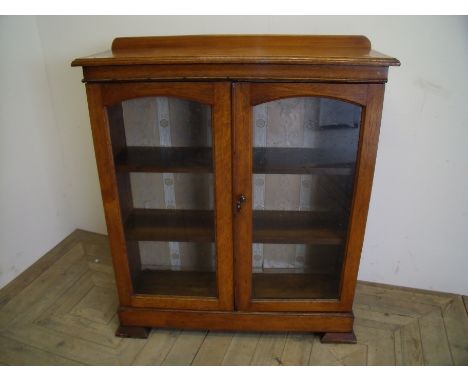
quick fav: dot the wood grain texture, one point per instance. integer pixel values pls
(60, 328)
(156, 348)
(242, 185)
(266, 160)
(109, 139)
(367, 152)
(238, 321)
(109, 190)
(223, 198)
(269, 350)
(408, 349)
(184, 349)
(175, 225)
(390, 291)
(39, 296)
(117, 92)
(435, 346)
(456, 325)
(347, 354)
(340, 338)
(260, 93)
(297, 349)
(294, 286)
(21, 354)
(239, 57)
(321, 354)
(132, 332)
(165, 159)
(174, 301)
(241, 349)
(247, 95)
(213, 349)
(177, 283)
(118, 140)
(246, 41)
(30, 274)
(312, 227)
(378, 343)
(133, 69)
(270, 226)
(276, 160)
(235, 72)
(239, 49)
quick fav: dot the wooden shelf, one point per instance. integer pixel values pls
(176, 283)
(265, 160)
(275, 160)
(170, 225)
(265, 285)
(294, 227)
(291, 227)
(295, 286)
(338, 126)
(165, 159)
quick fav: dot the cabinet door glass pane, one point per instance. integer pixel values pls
(163, 158)
(304, 156)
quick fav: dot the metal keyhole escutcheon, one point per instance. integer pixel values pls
(240, 200)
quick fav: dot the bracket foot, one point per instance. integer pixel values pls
(338, 338)
(132, 331)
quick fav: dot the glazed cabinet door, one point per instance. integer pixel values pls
(164, 161)
(303, 164)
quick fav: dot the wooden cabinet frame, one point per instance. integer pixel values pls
(247, 95)
(104, 102)
(232, 74)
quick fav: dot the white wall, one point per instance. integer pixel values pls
(418, 220)
(33, 213)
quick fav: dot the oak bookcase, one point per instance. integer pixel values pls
(236, 172)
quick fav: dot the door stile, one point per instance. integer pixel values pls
(242, 186)
(223, 197)
(367, 153)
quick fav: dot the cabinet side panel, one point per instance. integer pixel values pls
(109, 190)
(119, 143)
(362, 190)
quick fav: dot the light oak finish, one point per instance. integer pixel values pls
(106, 147)
(197, 226)
(233, 74)
(246, 96)
(239, 57)
(239, 49)
(198, 160)
(61, 311)
(244, 72)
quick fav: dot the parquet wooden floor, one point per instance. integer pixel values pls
(61, 311)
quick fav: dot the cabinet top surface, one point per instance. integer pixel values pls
(239, 49)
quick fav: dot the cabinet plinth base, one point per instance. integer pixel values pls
(324, 322)
(338, 338)
(132, 331)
